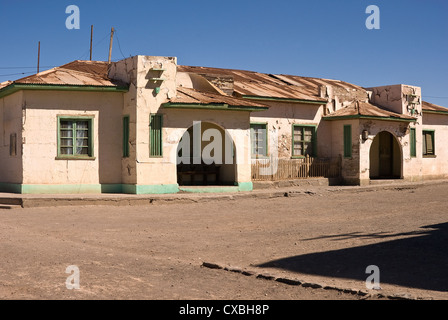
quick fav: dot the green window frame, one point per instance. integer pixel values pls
(259, 140)
(75, 137)
(429, 146)
(347, 141)
(413, 142)
(304, 141)
(126, 137)
(155, 135)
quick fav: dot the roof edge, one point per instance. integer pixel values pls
(14, 87)
(212, 106)
(350, 117)
(291, 100)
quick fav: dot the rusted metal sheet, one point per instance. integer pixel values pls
(87, 73)
(188, 96)
(366, 109)
(433, 107)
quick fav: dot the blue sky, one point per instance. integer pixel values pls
(326, 39)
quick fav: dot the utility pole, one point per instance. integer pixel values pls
(91, 40)
(111, 42)
(38, 58)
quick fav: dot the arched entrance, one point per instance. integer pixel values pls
(206, 156)
(385, 157)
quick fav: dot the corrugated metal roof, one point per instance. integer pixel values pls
(76, 73)
(367, 110)
(192, 96)
(249, 83)
(433, 107)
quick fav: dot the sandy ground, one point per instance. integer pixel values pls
(156, 252)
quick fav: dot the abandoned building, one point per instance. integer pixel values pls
(146, 125)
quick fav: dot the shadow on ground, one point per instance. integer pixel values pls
(418, 261)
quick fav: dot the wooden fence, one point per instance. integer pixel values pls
(287, 169)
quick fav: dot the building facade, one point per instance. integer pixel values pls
(146, 125)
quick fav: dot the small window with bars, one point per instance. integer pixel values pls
(304, 141)
(258, 138)
(75, 138)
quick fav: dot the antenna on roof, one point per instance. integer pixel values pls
(91, 40)
(38, 58)
(111, 42)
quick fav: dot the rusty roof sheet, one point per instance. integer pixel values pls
(278, 85)
(192, 96)
(367, 110)
(76, 73)
(250, 83)
(433, 107)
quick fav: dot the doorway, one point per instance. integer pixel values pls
(385, 157)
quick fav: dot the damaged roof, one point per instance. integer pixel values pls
(187, 97)
(255, 84)
(430, 107)
(76, 73)
(367, 110)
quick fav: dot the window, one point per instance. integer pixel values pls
(428, 143)
(413, 143)
(156, 124)
(75, 137)
(126, 137)
(259, 141)
(304, 141)
(347, 141)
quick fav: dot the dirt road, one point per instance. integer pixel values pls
(324, 236)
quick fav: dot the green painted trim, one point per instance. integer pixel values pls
(91, 155)
(368, 118)
(157, 189)
(314, 139)
(14, 87)
(435, 112)
(206, 189)
(223, 106)
(60, 188)
(432, 132)
(156, 136)
(261, 156)
(413, 142)
(245, 186)
(291, 100)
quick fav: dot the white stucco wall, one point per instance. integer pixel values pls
(11, 123)
(40, 118)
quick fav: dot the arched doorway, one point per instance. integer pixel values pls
(206, 156)
(385, 157)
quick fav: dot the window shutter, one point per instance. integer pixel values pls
(347, 141)
(156, 135)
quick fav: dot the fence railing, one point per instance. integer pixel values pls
(286, 169)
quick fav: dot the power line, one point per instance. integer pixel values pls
(15, 74)
(119, 46)
(12, 68)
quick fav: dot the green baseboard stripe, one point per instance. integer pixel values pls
(245, 186)
(209, 189)
(150, 189)
(116, 188)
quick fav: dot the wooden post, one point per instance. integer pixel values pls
(91, 40)
(38, 58)
(111, 42)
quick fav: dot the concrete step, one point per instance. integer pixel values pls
(9, 207)
(385, 181)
